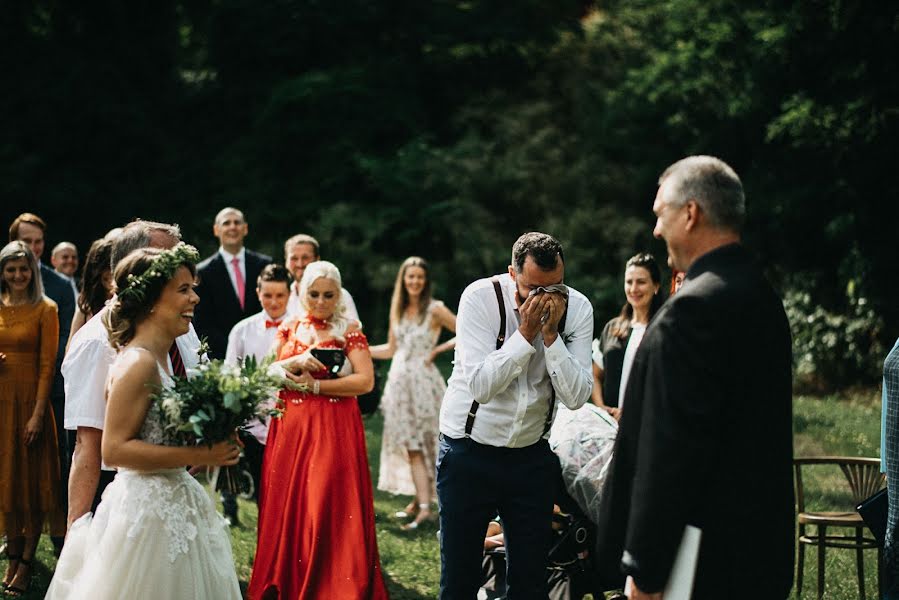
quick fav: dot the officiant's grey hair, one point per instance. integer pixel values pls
(713, 185)
(139, 234)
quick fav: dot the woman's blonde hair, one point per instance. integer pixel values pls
(328, 270)
(400, 301)
(15, 251)
(128, 310)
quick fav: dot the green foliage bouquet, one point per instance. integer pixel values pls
(214, 401)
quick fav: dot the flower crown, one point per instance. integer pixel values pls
(163, 266)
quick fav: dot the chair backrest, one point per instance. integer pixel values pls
(862, 474)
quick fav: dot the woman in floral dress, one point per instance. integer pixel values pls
(414, 389)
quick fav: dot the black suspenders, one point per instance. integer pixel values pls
(500, 339)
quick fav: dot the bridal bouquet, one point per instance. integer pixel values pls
(214, 401)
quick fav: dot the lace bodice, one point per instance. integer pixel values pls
(152, 430)
(414, 338)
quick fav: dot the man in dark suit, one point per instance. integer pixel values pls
(706, 435)
(227, 290)
(30, 228)
(227, 282)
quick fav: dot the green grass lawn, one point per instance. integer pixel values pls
(831, 425)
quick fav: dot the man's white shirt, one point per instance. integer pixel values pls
(86, 367)
(251, 337)
(241, 257)
(512, 384)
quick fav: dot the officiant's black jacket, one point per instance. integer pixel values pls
(219, 309)
(706, 439)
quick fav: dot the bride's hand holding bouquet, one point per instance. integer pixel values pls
(212, 403)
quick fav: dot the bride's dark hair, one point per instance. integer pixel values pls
(128, 310)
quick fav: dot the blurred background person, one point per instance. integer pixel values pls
(414, 389)
(64, 259)
(257, 336)
(677, 280)
(299, 251)
(30, 483)
(222, 284)
(316, 509)
(613, 352)
(222, 280)
(96, 283)
(31, 229)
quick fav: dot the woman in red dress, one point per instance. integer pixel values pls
(316, 514)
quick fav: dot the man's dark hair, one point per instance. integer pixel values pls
(544, 250)
(274, 272)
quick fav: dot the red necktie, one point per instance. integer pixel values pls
(177, 363)
(238, 279)
(271, 323)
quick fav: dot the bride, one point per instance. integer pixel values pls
(156, 533)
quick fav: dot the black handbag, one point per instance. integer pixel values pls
(873, 511)
(368, 403)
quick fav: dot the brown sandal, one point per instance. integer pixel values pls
(12, 558)
(17, 591)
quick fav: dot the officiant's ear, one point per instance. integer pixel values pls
(694, 211)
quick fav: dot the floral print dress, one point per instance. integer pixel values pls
(411, 404)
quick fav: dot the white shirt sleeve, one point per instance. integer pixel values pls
(597, 354)
(488, 371)
(85, 369)
(188, 345)
(568, 364)
(235, 349)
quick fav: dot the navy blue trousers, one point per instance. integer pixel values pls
(474, 483)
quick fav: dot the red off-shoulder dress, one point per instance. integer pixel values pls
(316, 514)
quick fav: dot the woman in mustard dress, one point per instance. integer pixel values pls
(29, 463)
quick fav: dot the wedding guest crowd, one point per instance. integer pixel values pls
(681, 377)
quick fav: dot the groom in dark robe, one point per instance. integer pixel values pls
(705, 438)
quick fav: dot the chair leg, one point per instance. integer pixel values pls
(860, 563)
(879, 572)
(822, 535)
(800, 568)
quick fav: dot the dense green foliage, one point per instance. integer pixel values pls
(446, 129)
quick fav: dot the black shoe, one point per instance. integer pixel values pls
(232, 519)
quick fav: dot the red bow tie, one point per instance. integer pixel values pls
(271, 323)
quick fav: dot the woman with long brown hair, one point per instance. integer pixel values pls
(96, 283)
(614, 351)
(414, 389)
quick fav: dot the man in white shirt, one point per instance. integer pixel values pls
(299, 251)
(257, 336)
(520, 347)
(86, 366)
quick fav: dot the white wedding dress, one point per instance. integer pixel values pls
(155, 535)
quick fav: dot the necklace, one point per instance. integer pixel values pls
(316, 323)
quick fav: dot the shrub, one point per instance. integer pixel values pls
(834, 349)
